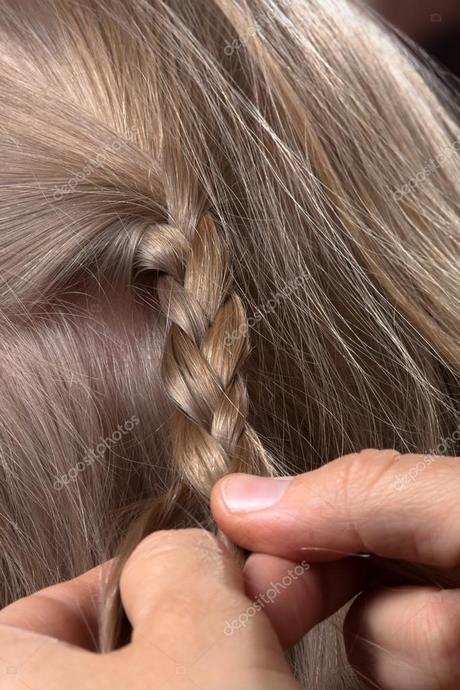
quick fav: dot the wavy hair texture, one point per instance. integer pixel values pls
(229, 221)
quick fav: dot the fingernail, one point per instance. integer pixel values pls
(243, 493)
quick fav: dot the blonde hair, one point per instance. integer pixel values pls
(229, 241)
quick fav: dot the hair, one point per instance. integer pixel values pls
(229, 240)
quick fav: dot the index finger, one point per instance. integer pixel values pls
(376, 501)
(67, 611)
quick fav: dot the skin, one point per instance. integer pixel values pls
(179, 589)
(190, 604)
(404, 637)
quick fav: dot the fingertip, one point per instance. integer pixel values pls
(218, 491)
(215, 500)
(250, 493)
(220, 508)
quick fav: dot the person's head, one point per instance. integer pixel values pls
(229, 239)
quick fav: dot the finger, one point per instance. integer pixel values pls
(297, 596)
(181, 590)
(406, 638)
(33, 629)
(66, 611)
(353, 504)
(30, 660)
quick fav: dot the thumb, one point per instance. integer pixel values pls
(380, 502)
(184, 596)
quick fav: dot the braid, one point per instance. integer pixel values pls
(201, 365)
(205, 348)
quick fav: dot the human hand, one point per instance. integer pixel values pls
(179, 590)
(400, 638)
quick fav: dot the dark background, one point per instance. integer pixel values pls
(435, 24)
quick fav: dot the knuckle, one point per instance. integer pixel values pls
(383, 458)
(361, 474)
(361, 482)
